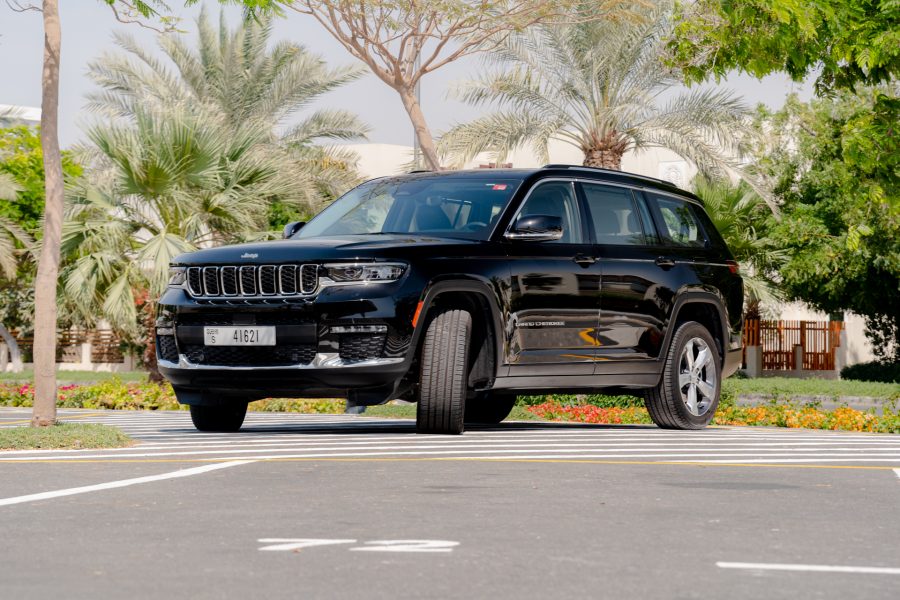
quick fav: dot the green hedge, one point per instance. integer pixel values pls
(884, 372)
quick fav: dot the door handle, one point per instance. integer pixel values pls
(666, 262)
(584, 261)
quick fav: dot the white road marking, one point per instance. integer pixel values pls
(810, 568)
(897, 472)
(407, 546)
(170, 436)
(121, 483)
(292, 544)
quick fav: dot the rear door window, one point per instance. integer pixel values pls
(678, 223)
(615, 217)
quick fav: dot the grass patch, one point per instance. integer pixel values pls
(64, 377)
(63, 435)
(783, 388)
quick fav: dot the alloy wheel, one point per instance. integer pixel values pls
(697, 376)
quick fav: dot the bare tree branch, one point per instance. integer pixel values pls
(17, 6)
(401, 41)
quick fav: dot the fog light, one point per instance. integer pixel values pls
(359, 329)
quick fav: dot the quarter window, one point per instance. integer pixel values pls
(678, 222)
(614, 215)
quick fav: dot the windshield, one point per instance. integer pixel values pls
(447, 206)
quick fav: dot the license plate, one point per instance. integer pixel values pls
(239, 336)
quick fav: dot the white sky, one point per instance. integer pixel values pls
(87, 27)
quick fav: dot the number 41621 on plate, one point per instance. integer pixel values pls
(239, 336)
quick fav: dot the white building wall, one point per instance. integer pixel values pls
(379, 160)
(19, 115)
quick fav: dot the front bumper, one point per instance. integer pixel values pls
(343, 339)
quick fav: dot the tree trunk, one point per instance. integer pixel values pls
(44, 412)
(606, 153)
(420, 126)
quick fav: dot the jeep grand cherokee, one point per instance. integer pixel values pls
(460, 290)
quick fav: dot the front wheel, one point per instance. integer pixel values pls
(218, 418)
(688, 392)
(444, 373)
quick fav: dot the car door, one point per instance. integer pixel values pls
(555, 286)
(637, 289)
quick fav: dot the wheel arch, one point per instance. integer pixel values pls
(478, 297)
(705, 308)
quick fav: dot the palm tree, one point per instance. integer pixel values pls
(601, 87)
(195, 152)
(744, 220)
(10, 232)
(234, 73)
(168, 183)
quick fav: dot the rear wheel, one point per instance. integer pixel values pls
(218, 418)
(489, 408)
(688, 392)
(443, 374)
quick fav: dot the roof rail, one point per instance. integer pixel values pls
(610, 171)
(420, 171)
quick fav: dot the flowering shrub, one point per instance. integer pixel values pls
(589, 413)
(111, 394)
(770, 415)
(116, 395)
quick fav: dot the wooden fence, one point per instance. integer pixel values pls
(818, 341)
(105, 346)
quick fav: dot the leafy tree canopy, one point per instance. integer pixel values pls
(835, 163)
(22, 160)
(846, 41)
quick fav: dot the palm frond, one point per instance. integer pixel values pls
(602, 85)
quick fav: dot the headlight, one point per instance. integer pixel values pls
(177, 276)
(364, 272)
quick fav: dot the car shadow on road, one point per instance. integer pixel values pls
(371, 426)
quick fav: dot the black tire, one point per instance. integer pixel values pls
(444, 373)
(218, 418)
(489, 408)
(669, 403)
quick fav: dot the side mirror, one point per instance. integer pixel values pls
(291, 228)
(536, 228)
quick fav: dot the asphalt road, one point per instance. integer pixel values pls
(354, 507)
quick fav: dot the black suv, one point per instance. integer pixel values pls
(460, 290)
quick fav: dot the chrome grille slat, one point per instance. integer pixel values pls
(248, 281)
(195, 281)
(229, 281)
(268, 286)
(211, 281)
(287, 280)
(309, 278)
(251, 281)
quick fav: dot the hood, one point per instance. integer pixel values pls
(351, 247)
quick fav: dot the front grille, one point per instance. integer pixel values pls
(165, 345)
(361, 346)
(250, 356)
(253, 281)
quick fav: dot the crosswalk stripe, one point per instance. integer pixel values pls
(280, 436)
